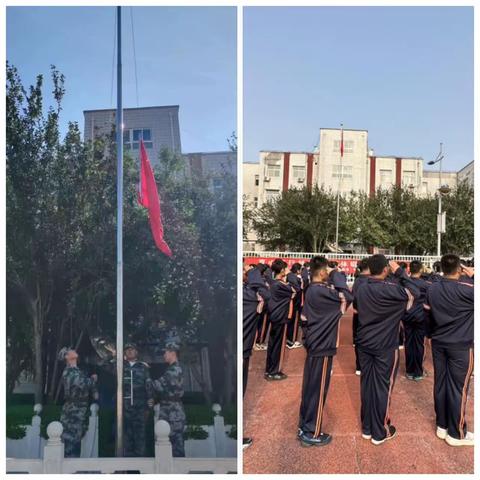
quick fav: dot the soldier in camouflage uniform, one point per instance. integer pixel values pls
(137, 398)
(170, 388)
(77, 388)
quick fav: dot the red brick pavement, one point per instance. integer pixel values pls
(271, 415)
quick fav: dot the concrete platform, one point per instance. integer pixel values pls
(271, 416)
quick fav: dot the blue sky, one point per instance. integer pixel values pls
(185, 56)
(403, 73)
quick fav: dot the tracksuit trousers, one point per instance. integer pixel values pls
(276, 347)
(453, 370)
(354, 336)
(414, 347)
(379, 371)
(316, 380)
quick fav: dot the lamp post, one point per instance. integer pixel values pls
(442, 190)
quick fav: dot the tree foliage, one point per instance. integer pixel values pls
(395, 219)
(61, 245)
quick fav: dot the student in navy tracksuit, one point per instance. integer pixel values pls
(295, 280)
(280, 310)
(255, 294)
(450, 302)
(326, 300)
(414, 323)
(363, 273)
(381, 305)
(263, 322)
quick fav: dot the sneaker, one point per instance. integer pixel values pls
(263, 346)
(409, 377)
(323, 439)
(419, 378)
(442, 433)
(401, 347)
(299, 432)
(358, 373)
(393, 433)
(290, 345)
(275, 376)
(366, 436)
(297, 345)
(457, 442)
(247, 442)
(257, 347)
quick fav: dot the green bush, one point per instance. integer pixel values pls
(195, 432)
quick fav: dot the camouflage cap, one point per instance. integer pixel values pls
(130, 345)
(172, 342)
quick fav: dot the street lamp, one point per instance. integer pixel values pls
(442, 190)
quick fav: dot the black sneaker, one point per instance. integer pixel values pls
(320, 441)
(392, 434)
(247, 442)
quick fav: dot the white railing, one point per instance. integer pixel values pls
(54, 461)
(428, 259)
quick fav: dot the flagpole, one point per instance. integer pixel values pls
(338, 189)
(119, 134)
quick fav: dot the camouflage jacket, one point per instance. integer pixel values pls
(137, 385)
(77, 386)
(170, 384)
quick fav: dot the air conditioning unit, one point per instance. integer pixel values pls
(300, 180)
(266, 179)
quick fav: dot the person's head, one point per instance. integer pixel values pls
(296, 267)
(170, 356)
(262, 268)
(319, 269)
(279, 268)
(416, 268)
(378, 266)
(69, 355)
(131, 352)
(437, 267)
(451, 265)
(246, 269)
(306, 265)
(362, 266)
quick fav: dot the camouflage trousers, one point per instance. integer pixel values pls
(134, 428)
(173, 413)
(73, 420)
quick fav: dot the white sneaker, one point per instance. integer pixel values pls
(257, 347)
(401, 347)
(297, 345)
(366, 437)
(290, 346)
(358, 373)
(456, 442)
(442, 433)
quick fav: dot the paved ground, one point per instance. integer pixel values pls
(271, 415)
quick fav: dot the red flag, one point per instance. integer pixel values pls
(341, 145)
(148, 197)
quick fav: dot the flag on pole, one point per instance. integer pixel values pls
(341, 144)
(148, 197)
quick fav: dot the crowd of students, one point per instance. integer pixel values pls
(394, 306)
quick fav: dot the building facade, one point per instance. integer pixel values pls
(360, 170)
(158, 127)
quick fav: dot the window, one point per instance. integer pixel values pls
(132, 137)
(257, 180)
(271, 194)
(337, 171)
(217, 184)
(298, 172)
(409, 178)
(347, 146)
(273, 170)
(386, 177)
(255, 202)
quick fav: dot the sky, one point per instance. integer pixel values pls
(185, 56)
(405, 74)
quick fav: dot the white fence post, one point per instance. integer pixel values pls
(53, 452)
(163, 448)
(90, 440)
(33, 433)
(156, 413)
(219, 429)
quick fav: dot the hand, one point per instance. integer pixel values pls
(94, 377)
(394, 265)
(469, 271)
(150, 402)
